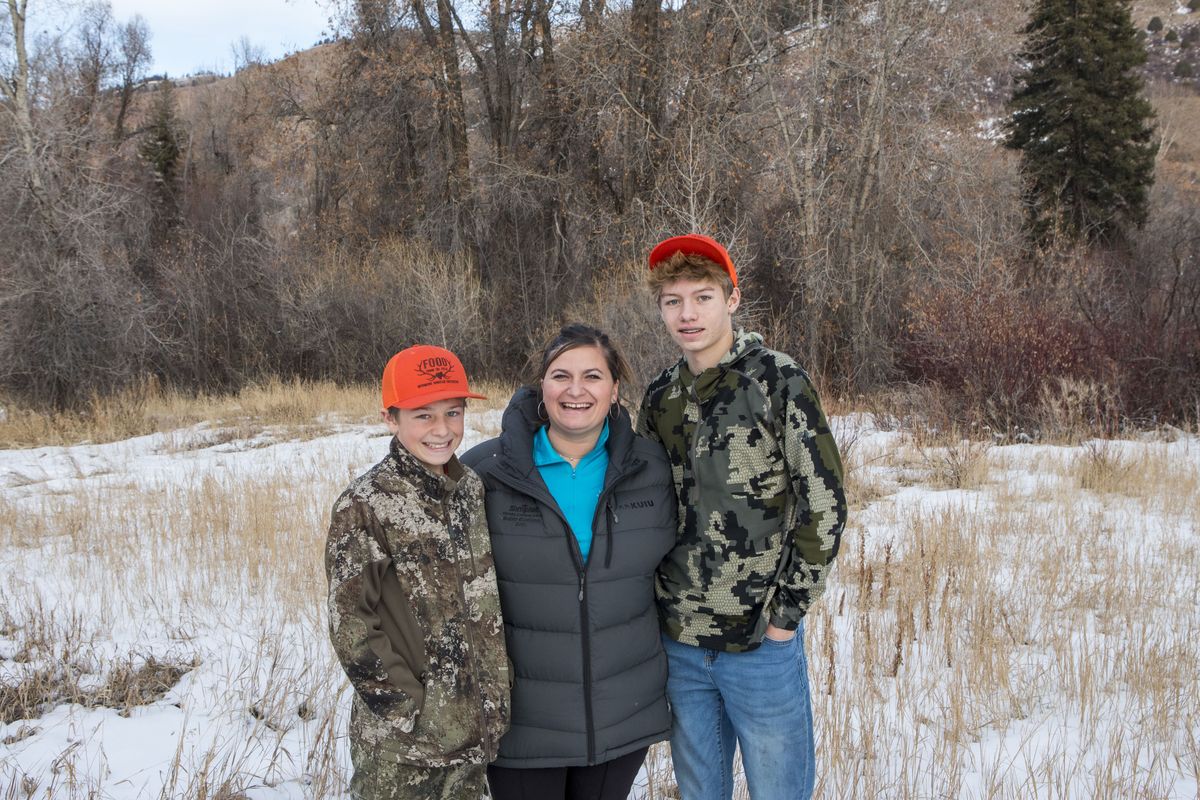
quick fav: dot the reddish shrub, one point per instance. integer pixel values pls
(993, 348)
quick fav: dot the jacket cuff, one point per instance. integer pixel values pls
(783, 614)
(788, 623)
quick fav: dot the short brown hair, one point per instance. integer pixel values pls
(687, 267)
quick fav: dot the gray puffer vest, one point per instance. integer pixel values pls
(590, 671)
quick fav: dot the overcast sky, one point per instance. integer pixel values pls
(189, 35)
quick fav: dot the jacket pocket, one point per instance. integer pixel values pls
(393, 633)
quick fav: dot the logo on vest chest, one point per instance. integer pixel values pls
(521, 513)
(635, 504)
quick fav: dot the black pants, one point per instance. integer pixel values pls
(608, 781)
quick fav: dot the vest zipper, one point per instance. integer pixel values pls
(587, 668)
(531, 489)
(584, 627)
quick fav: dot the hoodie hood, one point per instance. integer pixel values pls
(744, 343)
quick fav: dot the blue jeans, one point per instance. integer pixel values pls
(758, 700)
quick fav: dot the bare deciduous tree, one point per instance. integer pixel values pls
(131, 69)
(15, 84)
(438, 30)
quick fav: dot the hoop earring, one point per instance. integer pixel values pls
(614, 408)
(542, 415)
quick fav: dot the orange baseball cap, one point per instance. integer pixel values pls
(424, 374)
(694, 244)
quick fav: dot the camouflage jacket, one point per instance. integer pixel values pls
(761, 503)
(414, 613)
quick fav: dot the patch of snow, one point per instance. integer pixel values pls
(991, 129)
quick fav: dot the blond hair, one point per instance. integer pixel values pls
(687, 267)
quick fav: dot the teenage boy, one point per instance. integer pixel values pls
(761, 512)
(414, 614)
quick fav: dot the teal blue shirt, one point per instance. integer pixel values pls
(575, 490)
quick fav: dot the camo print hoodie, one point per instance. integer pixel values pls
(414, 614)
(761, 503)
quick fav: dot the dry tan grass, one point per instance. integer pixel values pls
(957, 465)
(125, 687)
(151, 409)
(300, 409)
(1101, 467)
(1070, 410)
(241, 548)
(940, 461)
(1031, 641)
(63, 664)
(176, 555)
(863, 484)
(1160, 481)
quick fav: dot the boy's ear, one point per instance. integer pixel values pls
(735, 299)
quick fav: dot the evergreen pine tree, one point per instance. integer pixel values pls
(160, 151)
(1080, 120)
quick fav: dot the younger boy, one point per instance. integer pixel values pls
(414, 613)
(761, 512)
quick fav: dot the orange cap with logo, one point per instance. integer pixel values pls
(424, 374)
(694, 244)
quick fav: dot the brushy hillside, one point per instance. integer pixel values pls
(478, 187)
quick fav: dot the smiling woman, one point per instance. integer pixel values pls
(567, 480)
(577, 391)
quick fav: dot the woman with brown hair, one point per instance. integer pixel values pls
(581, 511)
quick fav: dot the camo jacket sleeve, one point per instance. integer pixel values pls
(815, 471)
(644, 428)
(355, 563)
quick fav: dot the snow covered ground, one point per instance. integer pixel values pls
(1013, 621)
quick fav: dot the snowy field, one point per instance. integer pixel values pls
(1003, 622)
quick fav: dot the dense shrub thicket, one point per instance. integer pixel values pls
(416, 180)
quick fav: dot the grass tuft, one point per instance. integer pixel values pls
(126, 687)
